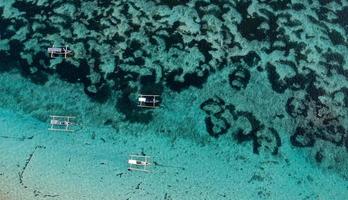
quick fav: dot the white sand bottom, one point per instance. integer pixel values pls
(73, 166)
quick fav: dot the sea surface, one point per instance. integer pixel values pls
(252, 99)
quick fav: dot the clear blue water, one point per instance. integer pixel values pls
(266, 79)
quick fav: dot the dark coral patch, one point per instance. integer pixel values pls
(241, 136)
(68, 72)
(318, 121)
(5, 33)
(277, 84)
(319, 157)
(102, 93)
(252, 59)
(239, 78)
(9, 58)
(200, 7)
(16, 47)
(190, 79)
(277, 5)
(173, 40)
(333, 62)
(204, 47)
(213, 105)
(314, 91)
(148, 85)
(269, 140)
(295, 82)
(133, 46)
(216, 126)
(171, 3)
(249, 28)
(302, 138)
(256, 126)
(296, 107)
(336, 37)
(298, 6)
(39, 77)
(249, 24)
(6, 60)
(342, 16)
(344, 92)
(333, 134)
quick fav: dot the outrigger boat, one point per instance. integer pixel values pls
(59, 51)
(148, 101)
(61, 123)
(138, 163)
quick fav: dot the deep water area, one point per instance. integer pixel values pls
(257, 90)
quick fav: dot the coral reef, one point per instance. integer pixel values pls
(268, 72)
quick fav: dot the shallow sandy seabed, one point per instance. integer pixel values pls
(76, 166)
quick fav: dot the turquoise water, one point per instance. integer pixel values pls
(253, 99)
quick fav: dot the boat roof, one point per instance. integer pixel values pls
(55, 49)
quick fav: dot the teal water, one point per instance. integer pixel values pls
(253, 99)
